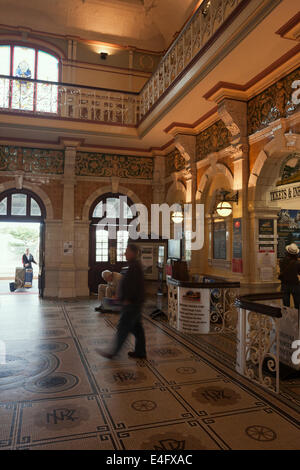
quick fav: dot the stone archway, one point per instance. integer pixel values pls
(34, 189)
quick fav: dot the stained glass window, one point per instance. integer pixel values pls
(4, 70)
(47, 69)
(23, 67)
(28, 63)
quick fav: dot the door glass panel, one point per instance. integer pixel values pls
(34, 208)
(122, 241)
(24, 67)
(101, 245)
(3, 206)
(18, 204)
(4, 70)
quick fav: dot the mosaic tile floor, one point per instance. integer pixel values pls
(57, 393)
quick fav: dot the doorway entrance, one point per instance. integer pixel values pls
(22, 215)
(107, 252)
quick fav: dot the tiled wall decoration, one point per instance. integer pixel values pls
(122, 166)
(212, 139)
(273, 103)
(31, 160)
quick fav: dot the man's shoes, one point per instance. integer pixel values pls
(104, 353)
(134, 355)
(100, 310)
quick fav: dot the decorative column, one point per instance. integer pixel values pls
(186, 144)
(234, 115)
(67, 284)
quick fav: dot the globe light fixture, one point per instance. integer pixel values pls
(224, 209)
(177, 217)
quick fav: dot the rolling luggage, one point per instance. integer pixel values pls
(28, 278)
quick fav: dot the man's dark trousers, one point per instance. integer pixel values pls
(131, 322)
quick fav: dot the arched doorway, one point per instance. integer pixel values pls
(19, 207)
(110, 210)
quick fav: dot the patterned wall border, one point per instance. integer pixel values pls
(31, 160)
(106, 165)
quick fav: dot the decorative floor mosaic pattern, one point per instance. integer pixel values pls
(56, 392)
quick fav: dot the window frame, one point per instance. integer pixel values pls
(22, 218)
(96, 222)
(34, 80)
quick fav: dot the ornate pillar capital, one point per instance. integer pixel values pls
(234, 115)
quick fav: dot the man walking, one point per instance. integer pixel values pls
(131, 294)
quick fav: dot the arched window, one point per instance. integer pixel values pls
(21, 205)
(26, 64)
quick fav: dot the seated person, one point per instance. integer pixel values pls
(108, 290)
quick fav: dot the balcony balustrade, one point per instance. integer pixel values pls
(76, 102)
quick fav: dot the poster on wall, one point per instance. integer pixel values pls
(288, 228)
(266, 227)
(219, 240)
(194, 308)
(147, 260)
(68, 248)
(237, 246)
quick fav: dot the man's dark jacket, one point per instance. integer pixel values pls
(289, 271)
(132, 285)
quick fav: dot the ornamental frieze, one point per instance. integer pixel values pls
(122, 166)
(273, 103)
(175, 162)
(213, 139)
(31, 160)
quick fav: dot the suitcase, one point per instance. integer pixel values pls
(28, 278)
(12, 286)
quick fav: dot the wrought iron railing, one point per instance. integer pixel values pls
(223, 314)
(69, 101)
(195, 37)
(259, 339)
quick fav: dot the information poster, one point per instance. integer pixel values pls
(288, 228)
(219, 240)
(194, 307)
(266, 227)
(68, 248)
(147, 260)
(237, 246)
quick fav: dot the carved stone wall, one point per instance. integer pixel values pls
(212, 139)
(105, 165)
(31, 160)
(174, 162)
(273, 103)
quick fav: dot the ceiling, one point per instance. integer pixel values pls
(147, 24)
